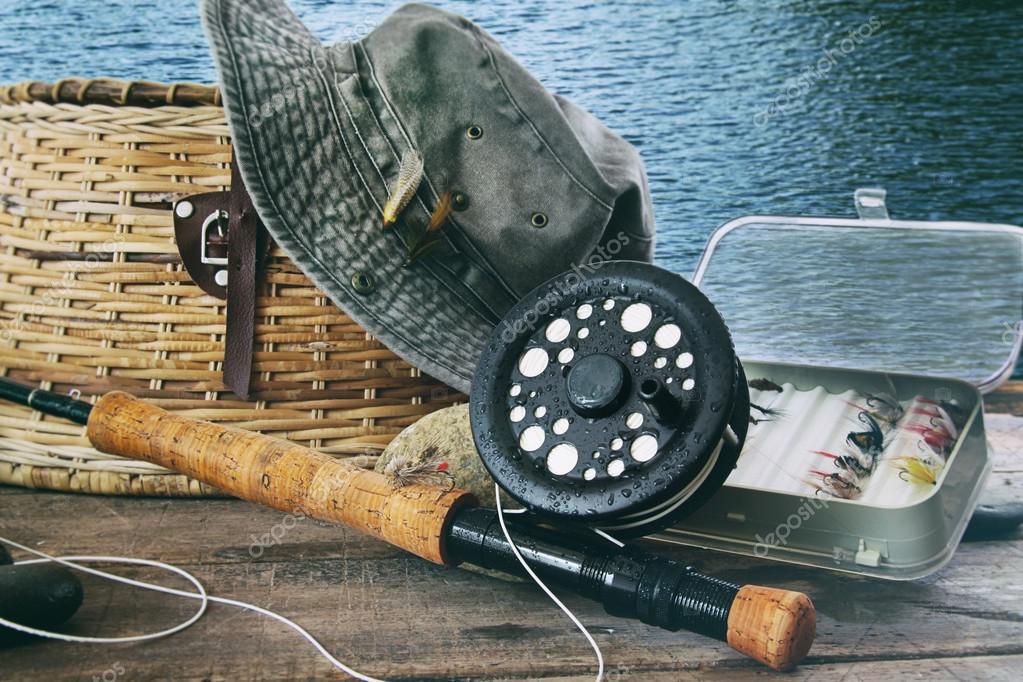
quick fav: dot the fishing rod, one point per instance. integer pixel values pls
(773, 626)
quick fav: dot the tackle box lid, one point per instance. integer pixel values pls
(938, 298)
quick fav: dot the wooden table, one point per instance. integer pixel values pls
(396, 617)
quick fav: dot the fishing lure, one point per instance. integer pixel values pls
(428, 238)
(836, 485)
(871, 441)
(410, 174)
(939, 419)
(952, 409)
(427, 467)
(938, 439)
(885, 408)
(767, 412)
(765, 385)
(441, 213)
(916, 470)
(856, 464)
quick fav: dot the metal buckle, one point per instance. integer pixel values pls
(220, 217)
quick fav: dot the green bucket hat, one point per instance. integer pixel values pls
(537, 185)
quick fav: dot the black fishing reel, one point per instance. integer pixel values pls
(614, 399)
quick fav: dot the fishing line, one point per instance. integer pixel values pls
(547, 590)
(74, 562)
(614, 541)
(200, 594)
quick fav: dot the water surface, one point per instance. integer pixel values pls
(737, 107)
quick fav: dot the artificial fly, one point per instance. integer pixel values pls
(410, 174)
(836, 485)
(765, 385)
(952, 409)
(883, 408)
(938, 439)
(916, 470)
(427, 467)
(770, 414)
(429, 238)
(859, 465)
(871, 441)
(939, 420)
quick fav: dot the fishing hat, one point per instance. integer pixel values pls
(537, 186)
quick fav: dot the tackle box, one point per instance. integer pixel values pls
(906, 322)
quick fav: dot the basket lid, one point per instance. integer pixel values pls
(872, 293)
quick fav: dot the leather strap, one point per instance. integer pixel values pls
(223, 246)
(246, 244)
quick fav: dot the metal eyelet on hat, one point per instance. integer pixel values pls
(474, 132)
(362, 283)
(459, 201)
(538, 220)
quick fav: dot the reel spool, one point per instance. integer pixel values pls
(614, 400)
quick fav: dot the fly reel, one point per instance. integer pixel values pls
(614, 400)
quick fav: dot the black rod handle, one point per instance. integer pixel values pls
(773, 626)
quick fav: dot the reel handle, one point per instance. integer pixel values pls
(277, 473)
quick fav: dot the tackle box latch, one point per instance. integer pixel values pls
(870, 203)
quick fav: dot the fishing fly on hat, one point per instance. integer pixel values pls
(490, 184)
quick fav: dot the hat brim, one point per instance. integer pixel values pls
(320, 199)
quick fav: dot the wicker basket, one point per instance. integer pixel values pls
(93, 296)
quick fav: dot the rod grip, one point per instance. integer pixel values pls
(773, 626)
(277, 473)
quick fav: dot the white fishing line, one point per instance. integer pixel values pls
(547, 590)
(200, 594)
(612, 540)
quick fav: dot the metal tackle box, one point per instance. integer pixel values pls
(906, 322)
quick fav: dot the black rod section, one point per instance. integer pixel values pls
(47, 402)
(628, 581)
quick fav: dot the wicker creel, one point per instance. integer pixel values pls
(93, 295)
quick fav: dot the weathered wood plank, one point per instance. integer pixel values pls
(397, 617)
(1007, 399)
(990, 668)
(400, 617)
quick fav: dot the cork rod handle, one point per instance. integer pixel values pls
(277, 473)
(773, 626)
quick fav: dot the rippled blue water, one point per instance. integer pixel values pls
(927, 102)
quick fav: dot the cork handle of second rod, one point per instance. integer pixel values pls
(277, 473)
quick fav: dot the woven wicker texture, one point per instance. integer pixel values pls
(93, 296)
